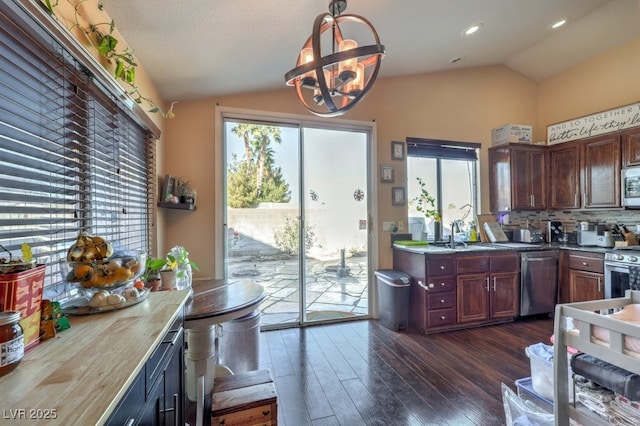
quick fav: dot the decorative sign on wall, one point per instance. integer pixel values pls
(613, 120)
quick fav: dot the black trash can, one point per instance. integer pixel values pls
(393, 298)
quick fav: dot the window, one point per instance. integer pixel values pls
(449, 172)
(72, 158)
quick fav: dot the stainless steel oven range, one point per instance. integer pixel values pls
(617, 266)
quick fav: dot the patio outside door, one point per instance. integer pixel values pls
(335, 213)
(296, 219)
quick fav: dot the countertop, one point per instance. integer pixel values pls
(471, 248)
(78, 377)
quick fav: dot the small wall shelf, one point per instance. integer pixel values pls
(179, 206)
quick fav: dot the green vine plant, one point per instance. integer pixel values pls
(425, 203)
(101, 37)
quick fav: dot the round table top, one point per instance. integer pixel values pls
(222, 300)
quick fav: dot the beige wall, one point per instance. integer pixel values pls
(604, 82)
(460, 105)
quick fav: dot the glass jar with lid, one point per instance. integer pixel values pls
(11, 341)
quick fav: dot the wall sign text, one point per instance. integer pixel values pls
(613, 120)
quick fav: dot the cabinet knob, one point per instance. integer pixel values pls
(585, 264)
(442, 317)
(441, 266)
(442, 284)
(431, 285)
(441, 300)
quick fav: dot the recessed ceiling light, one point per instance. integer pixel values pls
(473, 29)
(558, 24)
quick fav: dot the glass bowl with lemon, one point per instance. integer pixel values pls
(93, 264)
(113, 272)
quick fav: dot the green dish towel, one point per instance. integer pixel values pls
(411, 243)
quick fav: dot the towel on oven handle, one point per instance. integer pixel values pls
(634, 277)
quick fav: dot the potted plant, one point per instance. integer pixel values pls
(425, 203)
(185, 191)
(172, 271)
(151, 276)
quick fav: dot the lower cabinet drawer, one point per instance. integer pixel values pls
(441, 301)
(587, 262)
(441, 284)
(441, 317)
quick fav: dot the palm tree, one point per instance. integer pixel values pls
(258, 164)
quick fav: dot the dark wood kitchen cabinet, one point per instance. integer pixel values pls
(156, 396)
(600, 161)
(517, 177)
(455, 291)
(631, 148)
(487, 288)
(581, 276)
(433, 289)
(564, 173)
(585, 173)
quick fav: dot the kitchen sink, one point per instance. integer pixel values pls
(443, 249)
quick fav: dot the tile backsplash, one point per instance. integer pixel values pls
(571, 219)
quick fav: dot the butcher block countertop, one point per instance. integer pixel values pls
(78, 377)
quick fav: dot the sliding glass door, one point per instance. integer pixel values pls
(335, 214)
(296, 218)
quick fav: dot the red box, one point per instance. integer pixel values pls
(22, 291)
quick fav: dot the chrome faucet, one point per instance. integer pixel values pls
(455, 228)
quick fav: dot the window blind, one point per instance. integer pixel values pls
(450, 150)
(72, 159)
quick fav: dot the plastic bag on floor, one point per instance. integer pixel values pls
(519, 412)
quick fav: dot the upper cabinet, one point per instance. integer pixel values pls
(564, 175)
(585, 173)
(517, 177)
(631, 148)
(601, 171)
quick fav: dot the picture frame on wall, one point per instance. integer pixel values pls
(168, 187)
(398, 197)
(397, 150)
(386, 173)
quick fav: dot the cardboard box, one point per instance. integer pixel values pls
(510, 133)
(22, 292)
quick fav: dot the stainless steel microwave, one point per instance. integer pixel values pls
(631, 187)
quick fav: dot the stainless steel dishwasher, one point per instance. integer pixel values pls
(538, 282)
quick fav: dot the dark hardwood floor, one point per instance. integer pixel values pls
(360, 373)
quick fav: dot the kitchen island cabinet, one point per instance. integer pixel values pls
(81, 376)
(157, 395)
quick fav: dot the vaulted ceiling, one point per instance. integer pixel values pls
(200, 48)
